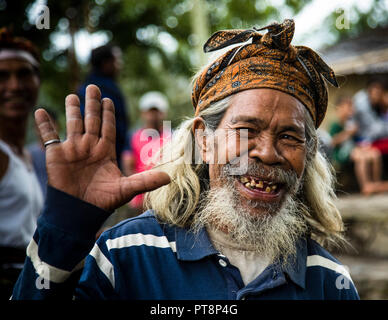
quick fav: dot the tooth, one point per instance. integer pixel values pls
(253, 183)
(260, 184)
(244, 180)
(248, 185)
(268, 189)
(274, 187)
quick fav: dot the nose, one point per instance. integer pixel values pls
(264, 150)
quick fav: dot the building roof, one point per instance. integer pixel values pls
(364, 54)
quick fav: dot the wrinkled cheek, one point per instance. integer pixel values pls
(232, 149)
(215, 175)
(296, 158)
(299, 167)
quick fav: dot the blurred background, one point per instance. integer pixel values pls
(161, 43)
(162, 40)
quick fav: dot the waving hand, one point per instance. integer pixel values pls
(85, 165)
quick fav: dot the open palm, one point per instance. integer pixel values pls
(85, 165)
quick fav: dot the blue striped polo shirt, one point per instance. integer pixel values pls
(143, 258)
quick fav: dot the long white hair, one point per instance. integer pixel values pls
(178, 202)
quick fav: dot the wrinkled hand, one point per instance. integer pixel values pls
(85, 165)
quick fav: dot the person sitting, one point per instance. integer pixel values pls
(343, 131)
(366, 159)
(369, 108)
(372, 135)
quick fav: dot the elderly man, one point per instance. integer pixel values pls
(211, 233)
(21, 199)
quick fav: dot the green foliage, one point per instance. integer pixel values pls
(156, 37)
(358, 21)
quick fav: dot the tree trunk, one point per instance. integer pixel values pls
(72, 58)
(200, 28)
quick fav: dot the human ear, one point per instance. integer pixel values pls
(202, 139)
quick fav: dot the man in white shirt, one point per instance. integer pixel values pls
(20, 196)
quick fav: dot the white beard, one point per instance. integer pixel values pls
(272, 235)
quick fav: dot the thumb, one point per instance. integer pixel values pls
(143, 182)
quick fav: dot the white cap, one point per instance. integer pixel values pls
(153, 99)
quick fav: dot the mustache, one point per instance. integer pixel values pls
(288, 178)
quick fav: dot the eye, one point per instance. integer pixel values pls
(287, 136)
(290, 138)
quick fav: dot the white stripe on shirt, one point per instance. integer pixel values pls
(320, 261)
(139, 239)
(126, 241)
(103, 263)
(45, 270)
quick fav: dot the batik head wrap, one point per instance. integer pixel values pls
(269, 61)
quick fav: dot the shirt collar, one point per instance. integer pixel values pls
(192, 247)
(297, 268)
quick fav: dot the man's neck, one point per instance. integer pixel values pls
(13, 132)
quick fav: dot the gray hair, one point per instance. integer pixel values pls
(177, 202)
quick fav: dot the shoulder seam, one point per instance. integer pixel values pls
(319, 261)
(140, 217)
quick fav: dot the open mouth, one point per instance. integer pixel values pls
(260, 185)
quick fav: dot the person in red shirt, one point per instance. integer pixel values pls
(146, 141)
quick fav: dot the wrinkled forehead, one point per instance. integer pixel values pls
(266, 105)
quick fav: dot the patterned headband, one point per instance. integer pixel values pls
(269, 61)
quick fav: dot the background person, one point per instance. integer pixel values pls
(372, 142)
(369, 110)
(367, 159)
(146, 141)
(343, 131)
(20, 194)
(106, 63)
